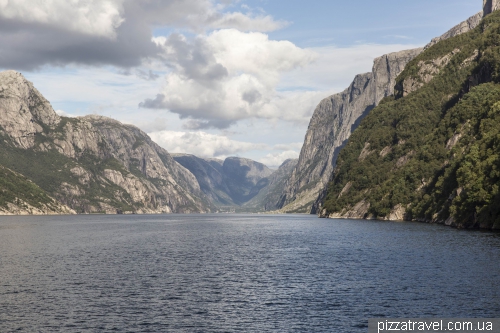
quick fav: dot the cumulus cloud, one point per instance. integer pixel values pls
(245, 22)
(202, 144)
(335, 67)
(276, 159)
(230, 75)
(93, 17)
(105, 32)
(209, 145)
(65, 114)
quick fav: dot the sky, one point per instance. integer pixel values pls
(211, 78)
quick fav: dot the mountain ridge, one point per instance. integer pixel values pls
(431, 153)
(306, 189)
(91, 164)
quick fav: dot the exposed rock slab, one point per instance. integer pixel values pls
(331, 125)
(232, 182)
(96, 164)
(460, 28)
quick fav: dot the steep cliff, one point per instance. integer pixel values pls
(337, 116)
(333, 121)
(432, 152)
(209, 174)
(461, 28)
(229, 183)
(490, 6)
(91, 164)
(267, 198)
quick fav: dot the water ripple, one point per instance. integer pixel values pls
(237, 273)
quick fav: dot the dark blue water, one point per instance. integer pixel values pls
(238, 273)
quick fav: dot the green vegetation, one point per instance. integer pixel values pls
(420, 168)
(18, 190)
(50, 170)
(139, 141)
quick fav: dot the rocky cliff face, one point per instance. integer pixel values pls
(461, 28)
(25, 111)
(157, 180)
(333, 121)
(231, 182)
(91, 164)
(337, 116)
(429, 153)
(243, 178)
(209, 174)
(268, 197)
(490, 6)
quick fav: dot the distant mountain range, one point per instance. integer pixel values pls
(95, 164)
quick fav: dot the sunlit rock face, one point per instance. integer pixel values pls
(94, 163)
(23, 109)
(337, 116)
(331, 125)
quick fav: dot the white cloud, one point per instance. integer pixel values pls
(107, 32)
(208, 145)
(295, 146)
(335, 67)
(230, 75)
(276, 159)
(94, 17)
(246, 22)
(202, 144)
(103, 17)
(65, 114)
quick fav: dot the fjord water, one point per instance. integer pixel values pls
(238, 273)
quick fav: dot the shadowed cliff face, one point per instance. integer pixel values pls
(209, 175)
(337, 116)
(91, 164)
(243, 178)
(231, 182)
(268, 197)
(490, 6)
(431, 153)
(333, 121)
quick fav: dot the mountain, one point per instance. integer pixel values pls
(20, 196)
(229, 183)
(431, 152)
(267, 198)
(90, 164)
(338, 116)
(332, 123)
(209, 174)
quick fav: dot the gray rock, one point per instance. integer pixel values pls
(24, 111)
(209, 174)
(243, 178)
(337, 116)
(490, 6)
(460, 28)
(104, 166)
(229, 183)
(333, 121)
(267, 198)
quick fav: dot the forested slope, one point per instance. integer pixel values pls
(432, 151)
